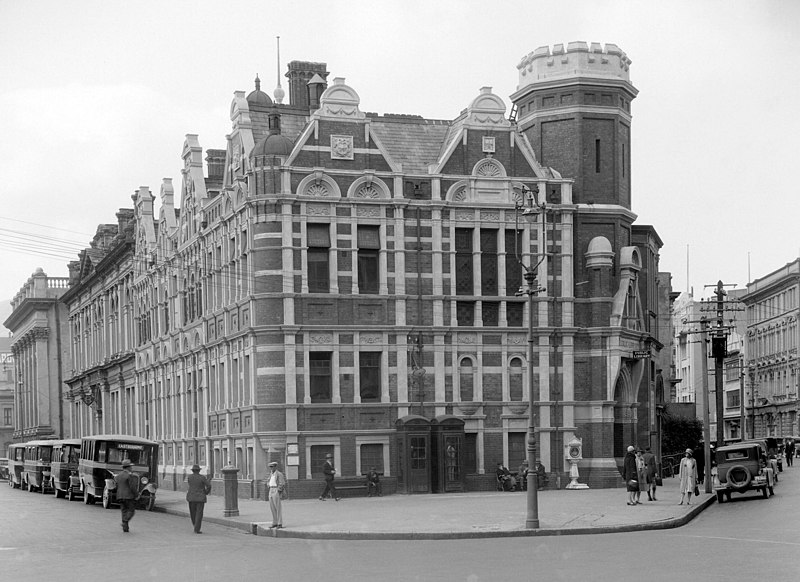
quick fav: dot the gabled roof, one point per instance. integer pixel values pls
(413, 142)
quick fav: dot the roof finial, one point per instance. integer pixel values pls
(258, 83)
(279, 93)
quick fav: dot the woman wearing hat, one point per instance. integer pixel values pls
(199, 488)
(688, 476)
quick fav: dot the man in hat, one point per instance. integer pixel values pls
(276, 485)
(197, 495)
(127, 493)
(329, 472)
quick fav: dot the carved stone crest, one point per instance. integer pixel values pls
(341, 147)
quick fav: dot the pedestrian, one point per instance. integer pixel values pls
(197, 495)
(629, 475)
(790, 452)
(329, 472)
(522, 475)
(641, 475)
(650, 473)
(276, 485)
(127, 493)
(373, 483)
(688, 476)
(505, 479)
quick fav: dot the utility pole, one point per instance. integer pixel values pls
(706, 415)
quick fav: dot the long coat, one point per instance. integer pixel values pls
(641, 472)
(199, 488)
(650, 463)
(629, 467)
(688, 475)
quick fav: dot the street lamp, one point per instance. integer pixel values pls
(531, 213)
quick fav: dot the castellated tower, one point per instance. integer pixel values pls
(574, 105)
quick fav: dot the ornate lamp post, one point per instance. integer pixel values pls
(531, 213)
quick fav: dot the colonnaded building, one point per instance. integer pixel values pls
(344, 282)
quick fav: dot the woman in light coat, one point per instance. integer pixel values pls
(688, 476)
(641, 473)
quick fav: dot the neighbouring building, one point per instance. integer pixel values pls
(6, 395)
(100, 382)
(39, 344)
(772, 380)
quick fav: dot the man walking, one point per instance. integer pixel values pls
(197, 495)
(127, 493)
(329, 471)
(276, 484)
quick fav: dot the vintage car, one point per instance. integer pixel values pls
(741, 468)
(64, 478)
(3, 468)
(16, 463)
(36, 471)
(101, 459)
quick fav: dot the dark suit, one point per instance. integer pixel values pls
(329, 472)
(126, 494)
(199, 488)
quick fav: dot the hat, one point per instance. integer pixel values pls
(329, 456)
(196, 468)
(630, 448)
(689, 451)
(126, 463)
(273, 464)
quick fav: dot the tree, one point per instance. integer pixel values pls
(680, 433)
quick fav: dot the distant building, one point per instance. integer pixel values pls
(39, 345)
(6, 394)
(771, 352)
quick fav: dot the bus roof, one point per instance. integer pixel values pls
(123, 438)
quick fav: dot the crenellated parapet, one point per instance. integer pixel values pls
(578, 59)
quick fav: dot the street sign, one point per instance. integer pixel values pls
(640, 354)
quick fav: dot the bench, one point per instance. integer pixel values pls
(350, 484)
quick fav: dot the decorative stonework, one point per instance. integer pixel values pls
(490, 216)
(367, 192)
(517, 339)
(318, 210)
(465, 215)
(319, 190)
(461, 194)
(341, 147)
(368, 212)
(320, 338)
(467, 338)
(371, 339)
(488, 144)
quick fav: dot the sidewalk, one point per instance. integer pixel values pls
(451, 516)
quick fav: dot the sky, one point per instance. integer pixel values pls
(96, 98)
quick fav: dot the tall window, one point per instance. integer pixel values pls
(7, 417)
(465, 313)
(488, 261)
(319, 364)
(370, 373)
(516, 449)
(369, 244)
(491, 313)
(319, 244)
(513, 268)
(515, 380)
(464, 278)
(466, 380)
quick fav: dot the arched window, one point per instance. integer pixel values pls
(466, 380)
(515, 380)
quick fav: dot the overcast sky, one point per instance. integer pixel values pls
(96, 98)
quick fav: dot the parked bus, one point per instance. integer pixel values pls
(36, 472)
(16, 464)
(101, 459)
(64, 478)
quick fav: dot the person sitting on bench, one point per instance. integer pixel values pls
(373, 483)
(505, 479)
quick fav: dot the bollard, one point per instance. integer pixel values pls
(231, 481)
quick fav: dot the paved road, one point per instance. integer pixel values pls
(748, 539)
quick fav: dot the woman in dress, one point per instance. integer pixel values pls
(688, 476)
(641, 473)
(630, 476)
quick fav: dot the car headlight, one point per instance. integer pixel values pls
(145, 480)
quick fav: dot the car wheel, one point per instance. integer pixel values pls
(719, 496)
(149, 502)
(739, 477)
(106, 497)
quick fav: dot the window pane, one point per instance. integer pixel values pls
(516, 449)
(465, 313)
(491, 312)
(318, 271)
(371, 456)
(319, 235)
(515, 380)
(369, 237)
(370, 371)
(320, 376)
(514, 314)
(317, 460)
(368, 272)
(464, 277)
(513, 268)
(489, 261)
